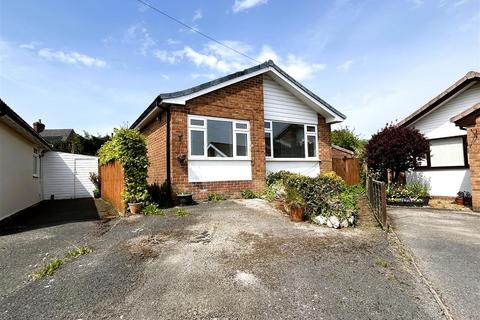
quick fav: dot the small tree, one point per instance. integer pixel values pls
(397, 149)
(348, 139)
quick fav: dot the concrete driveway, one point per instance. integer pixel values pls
(447, 247)
(237, 259)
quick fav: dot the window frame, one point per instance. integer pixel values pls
(204, 128)
(305, 135)
(36, 173)
(465, 156)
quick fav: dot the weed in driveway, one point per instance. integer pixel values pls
(56, 262)
(78, 252)
(180, 212)
(152, 209)
(49, 268)
(215, 197)
(381, 262)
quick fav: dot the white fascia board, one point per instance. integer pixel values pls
(155, 111)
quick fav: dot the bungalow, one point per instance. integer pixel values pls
(447, 167)
(225, 135)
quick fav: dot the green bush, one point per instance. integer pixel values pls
(248, 194)
(215, 197)
(129, 148)
(293, 198)
(325, 195)
(152, 209)
(414, 190)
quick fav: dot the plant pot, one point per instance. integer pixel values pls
(460, 201)
(278, 204)
(135, 207)
(185, 199)
(296, 214)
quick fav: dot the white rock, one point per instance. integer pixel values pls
(333, 222)
(320, 220)
(351, 220)
(344, 223)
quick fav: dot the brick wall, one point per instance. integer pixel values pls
(474, 162)
(243, 101)
(156, 134)
(324, 145)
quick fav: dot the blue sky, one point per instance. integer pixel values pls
(94, 65)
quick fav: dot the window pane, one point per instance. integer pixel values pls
(241, 125)
(446, 152)
(312, 150)
(288, 140)
(310, 129)
(34, 165)
(267, 124)
(241, 144)
(197, 122)
(196, 146)
(219, 138)
(268, 146)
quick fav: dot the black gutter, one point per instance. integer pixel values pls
(169, 174)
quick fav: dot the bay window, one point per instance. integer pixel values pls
(218, 138)
(290, 141)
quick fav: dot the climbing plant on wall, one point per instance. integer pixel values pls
(129, 148)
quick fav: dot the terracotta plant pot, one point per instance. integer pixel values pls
(278, 204)
(460, 201)
(296, 214)
(135, 207)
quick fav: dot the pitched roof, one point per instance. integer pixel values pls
(13, 120)
(181, 96)
(442, 97)
(54, 135)
(467, 117)
(334, 146)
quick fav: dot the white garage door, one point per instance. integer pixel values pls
(67, 175)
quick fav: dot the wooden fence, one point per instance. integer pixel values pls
(111, 179)
(376, 194)
(348, 169)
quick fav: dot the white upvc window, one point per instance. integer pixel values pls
(36, 165)
(290, 140)
(218, 138)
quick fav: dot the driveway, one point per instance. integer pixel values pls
(447, 247)
(237, 259)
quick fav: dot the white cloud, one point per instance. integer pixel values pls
(241, 5)
(166, 76)
(197, 16)
(299, 68)
(416, 3)
(167, 56)
(71, 57)
(142, 36)
(30, 46)
(267, 53)
(172, 41)
(345, 66)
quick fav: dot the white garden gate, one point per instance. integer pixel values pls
(67, 175)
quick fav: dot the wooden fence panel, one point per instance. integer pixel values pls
(376, 194)
(111, 179)
(348, 169)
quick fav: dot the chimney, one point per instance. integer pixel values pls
(38, 126)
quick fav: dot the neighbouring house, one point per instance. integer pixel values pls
(225, 135)
(60, 139)
(31, 172)
(20, 156)
(469, 120)
(447, 169)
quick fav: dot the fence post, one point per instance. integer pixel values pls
(384, 205)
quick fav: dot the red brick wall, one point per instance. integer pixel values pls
(324, 145)
(243, 101)
(474, 162)
(156, 134)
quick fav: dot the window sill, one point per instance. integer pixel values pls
(219, 159)
(292, 160)
(441, 168)
(36, 176)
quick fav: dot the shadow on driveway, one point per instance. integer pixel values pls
(54, 212)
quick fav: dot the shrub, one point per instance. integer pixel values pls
(413, 190)
(324, 195)
(248, 194)
(293, 198)
(215, 197)
(152, 209)
(128, 146)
